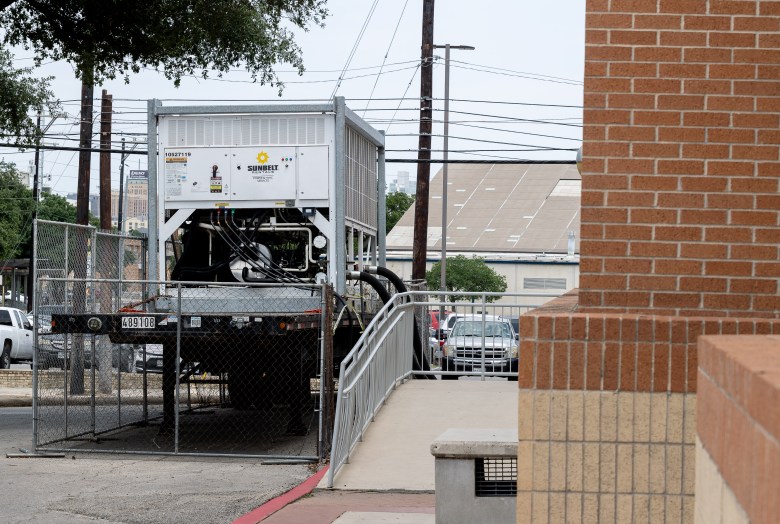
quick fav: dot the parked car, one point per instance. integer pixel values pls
(481, 342)
(16, 337)
(52, 352)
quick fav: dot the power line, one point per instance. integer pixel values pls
(354, 48)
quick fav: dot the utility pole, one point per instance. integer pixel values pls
(443, 285)
(31, 266)
(420, 246)
(85, 156)
(105, 161)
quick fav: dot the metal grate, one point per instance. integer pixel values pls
(495, 477)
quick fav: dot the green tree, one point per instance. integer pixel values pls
(396, 204)
(104, 39)
(20, 97)
(467, 274)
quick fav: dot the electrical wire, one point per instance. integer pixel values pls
(354, 48)
(386, 53)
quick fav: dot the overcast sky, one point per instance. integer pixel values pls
(526, 53)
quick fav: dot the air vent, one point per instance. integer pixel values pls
(544, 283)
(495, 477)
(245, 131)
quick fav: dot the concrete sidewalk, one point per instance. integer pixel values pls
(390, 477)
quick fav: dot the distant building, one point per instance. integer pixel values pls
(401, 183)
(522, 219)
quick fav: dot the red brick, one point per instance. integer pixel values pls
(643, 21)
(652, 283)
(560, 366)
(678, 371)
(653, 216)
(755, 152)
(594, 353)
(683, 38)
(596, 36)
(606, 52)
(754, 185)
(680, 101)
(526, 360)
(741, 71)
(606, 182)
(607, 85)
(681, 200)
(633, 69)
(729, 302)
(677, 300)
(703, 216)
(611, 358)
(707, 55)
(657, 85)
(603, 248)
(754, 23)
(731, 39)
(606, 116)
(595, 69)
(630, 199)
(630, 165)
(654, 118)
(756, 120)
(766, 235)
(728, 268)
(756, 56)
(681, 134)
(655, 150)
(728, 234)
(624, 100)
(633, 37)
(704, 251)
(731, 136)
(716, 167)
(661, 367)
(708, 87)
(683, 6)
(769, 136)
(689, 233)
(602, 149)
(680, 167)
(576, 365)
(633, 6)
(605, 215)
(768, 40)
(732, 7)
(766, 72)
(678, 267)
(627, 298)
(770, 303)
(658, 54)
(628, 367)
(706, 118)
(754, 252)
(628, 265)
(682, 71)
(753, 286)
(768, 169)
(654, 183)
(711, 284)
(653, 249)
(730, 201)
(703, 183)
(768, 201)
(631, 133)
(769, 8)
(731, 103)
(705, 151)
(754, 218)
(543, 364)
(709, 23)
(756, 88)
(592, 198)
(608, 20)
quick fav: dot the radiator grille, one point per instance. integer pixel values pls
(495, 477)
(245, 131)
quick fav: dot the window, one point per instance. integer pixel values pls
(5, 318)
(544, 283)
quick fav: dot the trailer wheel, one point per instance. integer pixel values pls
(5, 358)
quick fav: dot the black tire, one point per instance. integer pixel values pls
(450, 377)
(5, 357)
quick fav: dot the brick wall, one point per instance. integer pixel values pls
(738, 430)
(681, 178)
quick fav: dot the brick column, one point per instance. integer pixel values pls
(680, 234)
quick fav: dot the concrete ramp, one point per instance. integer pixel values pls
(396, 450)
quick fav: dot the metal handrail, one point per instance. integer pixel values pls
(380, 360)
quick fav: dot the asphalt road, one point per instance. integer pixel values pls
(89, 488)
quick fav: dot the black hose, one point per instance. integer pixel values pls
(420, 362)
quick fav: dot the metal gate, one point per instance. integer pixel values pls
(135, 366)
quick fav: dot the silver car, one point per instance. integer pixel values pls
(480, 343)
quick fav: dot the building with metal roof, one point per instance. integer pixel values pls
(523, 219)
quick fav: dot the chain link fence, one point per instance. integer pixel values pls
(136, 366)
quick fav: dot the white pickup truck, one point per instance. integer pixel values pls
(16, 337)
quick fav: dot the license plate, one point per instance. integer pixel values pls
(137, 322)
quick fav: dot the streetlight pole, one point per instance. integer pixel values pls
(445, 157)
